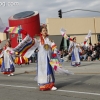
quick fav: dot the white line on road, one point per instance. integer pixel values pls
(79, 92)
(17, 86)
(56, 90)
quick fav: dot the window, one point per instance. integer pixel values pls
(98, 36)
(19, 38)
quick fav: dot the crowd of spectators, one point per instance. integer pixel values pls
(89, 53)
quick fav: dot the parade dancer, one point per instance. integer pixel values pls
(45, 77)
(47, 51)
(8, 66)
(45, 71)
(75, 51)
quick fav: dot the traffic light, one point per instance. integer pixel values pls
(60, 13)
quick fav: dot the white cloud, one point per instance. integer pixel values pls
(49, 8)
(94, 3)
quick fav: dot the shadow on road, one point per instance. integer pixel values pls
(75, 81)
(90, 64)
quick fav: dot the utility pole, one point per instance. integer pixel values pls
(60, 11)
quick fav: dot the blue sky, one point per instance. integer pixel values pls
(49, 8)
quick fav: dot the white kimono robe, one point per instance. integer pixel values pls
(7, 64)
(45, 71)
(75, 54)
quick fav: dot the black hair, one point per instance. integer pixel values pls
(74, 38)
(41, 27)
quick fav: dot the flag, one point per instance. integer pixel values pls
(62, 30)
(16, 30)
(13, 30)
(26, 47)
(63, 33)
(57, 66)
(87, 36)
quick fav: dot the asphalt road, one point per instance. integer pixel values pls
(79, 86)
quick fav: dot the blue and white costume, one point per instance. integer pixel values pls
(7, 64)
(75, 54)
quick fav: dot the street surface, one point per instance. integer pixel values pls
(83, 85)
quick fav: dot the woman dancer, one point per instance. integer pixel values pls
(45, 77)
(8, 66)
(75, 51)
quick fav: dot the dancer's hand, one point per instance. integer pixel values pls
(65, 36)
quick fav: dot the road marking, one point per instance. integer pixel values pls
(18, 86)
(77, 92)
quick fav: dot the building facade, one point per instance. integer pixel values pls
(3, 36)
(75, 27)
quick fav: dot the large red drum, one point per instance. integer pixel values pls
(29, 21)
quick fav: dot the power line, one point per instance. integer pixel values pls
(81, 10)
